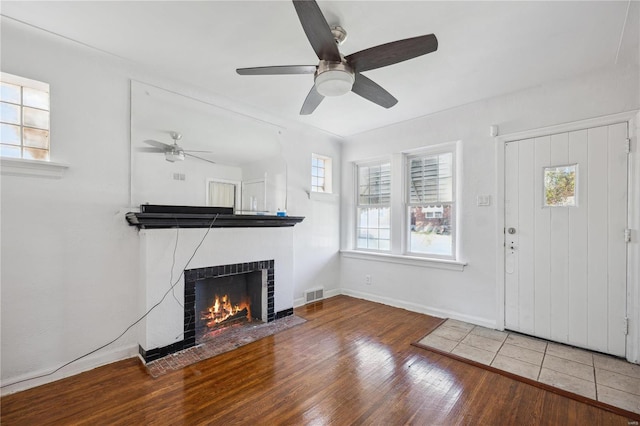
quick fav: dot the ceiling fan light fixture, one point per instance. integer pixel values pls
(173, 156)
(334, 82)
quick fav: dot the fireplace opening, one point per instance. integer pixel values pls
(226, 301)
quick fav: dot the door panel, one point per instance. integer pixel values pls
(565, 266)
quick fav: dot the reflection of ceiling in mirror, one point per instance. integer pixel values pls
(232, 139)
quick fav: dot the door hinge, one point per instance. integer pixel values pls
(627, 146)
(625, 326)
(627, 235)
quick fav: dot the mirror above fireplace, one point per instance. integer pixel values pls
(188, 151)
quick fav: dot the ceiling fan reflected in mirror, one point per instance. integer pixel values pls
(172, 152)
(336, 74)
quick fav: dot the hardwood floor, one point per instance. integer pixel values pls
(350, 363)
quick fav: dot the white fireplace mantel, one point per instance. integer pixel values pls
(164, 325)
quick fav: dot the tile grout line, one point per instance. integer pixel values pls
(595, 377)
(498, 351)
(544, 355)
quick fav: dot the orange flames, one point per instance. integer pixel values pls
(223, 309)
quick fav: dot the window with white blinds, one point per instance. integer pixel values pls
(373, 228)
(430, 204)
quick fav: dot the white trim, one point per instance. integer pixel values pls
(85, 364)
(604, 120)
(633, 247)
(427, 310)
(24, 82)
(24, 167)
(451, 265)
(633, 252)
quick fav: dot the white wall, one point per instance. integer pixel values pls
(471, 294)
(69, 279)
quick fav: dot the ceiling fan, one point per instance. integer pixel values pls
(336, 74)
(172, 152)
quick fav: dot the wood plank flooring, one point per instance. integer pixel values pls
(350, 363)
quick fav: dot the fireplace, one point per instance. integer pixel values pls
(229, 300)
(227, 295)
(170, 326)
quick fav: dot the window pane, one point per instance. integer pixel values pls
(430, 230)
(35, 118)
(35, 154)
(36, 138)
(10, 93)
(373, 228)
(9, 113)
(374, 184)
(10, 134)
(35, 98)
(431, 178)
(10, 151)
(560, 186)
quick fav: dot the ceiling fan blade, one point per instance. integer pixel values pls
(160, 145)
(317, 30)
(371, 91)
(392, 53)
(278, 70)
(199, 158)
(149, 149)
(192, 150)
(311, 102)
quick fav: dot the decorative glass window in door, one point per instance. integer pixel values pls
(560, 184)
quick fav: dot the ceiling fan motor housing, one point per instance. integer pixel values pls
(334, 78)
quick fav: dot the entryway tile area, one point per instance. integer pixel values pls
(593, 375)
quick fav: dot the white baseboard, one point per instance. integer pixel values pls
(414, 307)
(33, 379)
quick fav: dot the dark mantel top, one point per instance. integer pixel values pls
(161, 217)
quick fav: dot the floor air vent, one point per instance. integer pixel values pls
(313, 295)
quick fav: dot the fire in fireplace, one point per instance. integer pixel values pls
(220, 297)
(227, 300)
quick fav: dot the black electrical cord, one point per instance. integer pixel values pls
(132, 324)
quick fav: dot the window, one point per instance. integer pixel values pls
(373, 227)
(560, 186)
(430, 204)
(24, 118)
(320, 173)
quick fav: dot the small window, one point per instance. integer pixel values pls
(560, 186)
(321, 173)
(373, 226)
(24, 118)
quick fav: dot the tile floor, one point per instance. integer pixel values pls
(596, 376)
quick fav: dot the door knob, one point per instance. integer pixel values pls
(511, 230)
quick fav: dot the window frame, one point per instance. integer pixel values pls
(27, 83)
(327, 187)
(446, 148)
(358, 206)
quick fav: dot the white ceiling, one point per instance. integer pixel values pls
(485, 48)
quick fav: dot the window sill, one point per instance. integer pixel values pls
(451, 265)
(22, 167)
(323, 196)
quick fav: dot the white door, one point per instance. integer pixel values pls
(565, 248)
